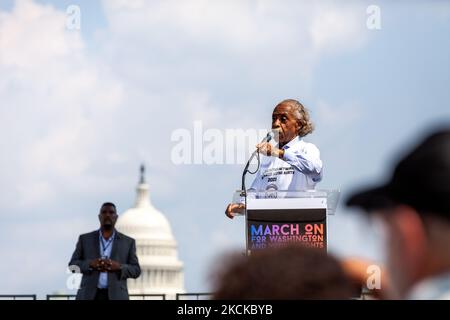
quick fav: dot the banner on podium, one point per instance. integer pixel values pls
(277, 222)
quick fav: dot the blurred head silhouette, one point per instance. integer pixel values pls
(288, 273)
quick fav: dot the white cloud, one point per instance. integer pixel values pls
(233, 46)
(337, 117)
(32, 35)
(240, 25)
(337, 30)
(54, 98)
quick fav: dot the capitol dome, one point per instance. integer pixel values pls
(156, 248)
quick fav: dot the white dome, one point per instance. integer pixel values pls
(144, 221)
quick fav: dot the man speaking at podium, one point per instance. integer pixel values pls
(292, 164)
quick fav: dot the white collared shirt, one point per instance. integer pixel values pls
(300, 168)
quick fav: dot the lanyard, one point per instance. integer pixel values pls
(108, 242)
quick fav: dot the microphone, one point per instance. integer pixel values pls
(270, 135)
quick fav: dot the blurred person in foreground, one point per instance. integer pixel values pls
(288, 273)
(414, 208)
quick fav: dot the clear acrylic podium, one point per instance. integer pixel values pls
(275, 218)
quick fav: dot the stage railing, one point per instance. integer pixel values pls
(194, 296)
(365, 295)
(17, 297)
(132, 297)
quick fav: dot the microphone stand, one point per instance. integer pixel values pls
(244, 194)
(244, 173)
(268, 137)
(244, 190)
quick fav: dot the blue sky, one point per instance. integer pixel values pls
(81, 110)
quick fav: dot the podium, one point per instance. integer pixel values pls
(277, 218)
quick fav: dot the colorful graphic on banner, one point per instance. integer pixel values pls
(270, 235)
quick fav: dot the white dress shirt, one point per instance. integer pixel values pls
(300, 169)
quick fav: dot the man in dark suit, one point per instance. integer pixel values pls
(106, 259)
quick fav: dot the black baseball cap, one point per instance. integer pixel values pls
(421, 180)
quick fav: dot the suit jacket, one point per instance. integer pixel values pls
(123, 251)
